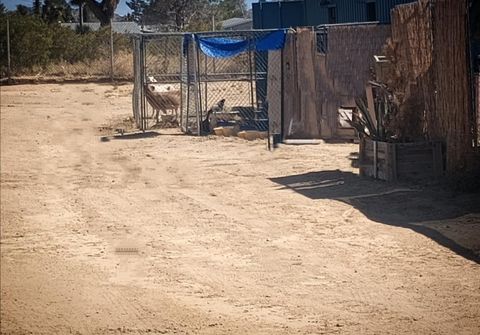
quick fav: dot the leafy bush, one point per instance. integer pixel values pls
(36, 46)
(30, 42)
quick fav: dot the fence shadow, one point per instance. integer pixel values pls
(130, 136)
(423, 211)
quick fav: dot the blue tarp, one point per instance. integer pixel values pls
(220, 47)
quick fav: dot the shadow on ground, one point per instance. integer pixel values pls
(449, 219)
(130, 136)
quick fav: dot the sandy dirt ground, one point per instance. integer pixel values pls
(171, 234)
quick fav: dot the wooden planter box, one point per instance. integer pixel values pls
(401, 161)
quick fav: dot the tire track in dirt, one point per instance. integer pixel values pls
(221, 248)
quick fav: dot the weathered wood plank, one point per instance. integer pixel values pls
(370, 103)
(415, 158)
(426, 166)
(390, 162)
(380, 154)
(397, 162)
(322, 89)
(306, 86)
(437, 160)
(290, 88)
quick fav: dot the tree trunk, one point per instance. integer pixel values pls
(80, 18)
(103, 11)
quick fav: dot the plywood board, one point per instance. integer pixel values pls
(370, 103)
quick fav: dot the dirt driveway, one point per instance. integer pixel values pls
(173, 234)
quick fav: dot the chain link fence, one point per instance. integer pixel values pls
(158, 64)
(65, 52)
(176, 80)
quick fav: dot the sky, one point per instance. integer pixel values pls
(122, 8)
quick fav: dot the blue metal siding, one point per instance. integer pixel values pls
(271, 15)
(351, 11)
(356, 10)
(292, 14)
(383, 9)
(385, 6)
(257, 16)
(313, 12)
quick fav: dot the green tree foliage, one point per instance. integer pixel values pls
(137, 7)
(35, 44)
(30, 40)
(83, 15)
(178, 13)
(54, 11)
(88, 15)
(79, 4)
(37, 6)
(103, 10)
(23, 10)
(187, 14)
(227, 9)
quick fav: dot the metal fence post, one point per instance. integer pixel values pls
(8, 50)
(181, 86)
(143, 82)
(111, 50)
(198, 85)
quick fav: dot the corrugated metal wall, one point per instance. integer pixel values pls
(270, 15)
(351, 11)
(257, 15)
(385, 6)
(292, 14)
(315, 12)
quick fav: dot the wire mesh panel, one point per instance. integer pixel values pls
(163, 58)
(137, 95)
(249, 84)
(160, 68)
(190, 119)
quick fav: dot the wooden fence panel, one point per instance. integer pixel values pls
(290, 87)
(430, 53)
(477, 108)
(306, 86)
(451, 70)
